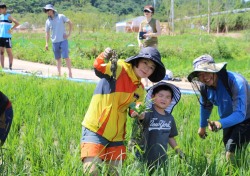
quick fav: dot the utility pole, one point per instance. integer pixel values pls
(172, 15)
(198, 7)
(208, 16)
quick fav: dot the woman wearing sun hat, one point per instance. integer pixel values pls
(231, 93)
(149, 30)
(104, 124)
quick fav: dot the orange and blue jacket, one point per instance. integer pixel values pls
(108, 109)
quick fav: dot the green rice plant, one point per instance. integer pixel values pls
(45, 135)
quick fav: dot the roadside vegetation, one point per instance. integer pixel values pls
(177, 51)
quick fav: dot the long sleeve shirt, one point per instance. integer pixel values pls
(231, 109)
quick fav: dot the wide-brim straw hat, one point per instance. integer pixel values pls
(205, 63)
(154, 55)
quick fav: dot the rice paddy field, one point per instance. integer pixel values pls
(45, 135)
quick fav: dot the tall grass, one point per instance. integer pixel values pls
(45, 135)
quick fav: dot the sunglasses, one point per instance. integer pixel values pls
(146, 11)
(47, 10)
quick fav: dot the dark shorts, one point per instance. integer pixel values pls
(237, 136)
(61, 49)
(94, 145)
(5, 42)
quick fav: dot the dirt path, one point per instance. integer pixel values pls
(26, 67)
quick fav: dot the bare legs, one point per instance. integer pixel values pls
(2, 56)
(229, 156)
(59, 65)
(90, 166)
(68, 63)
(10, 55)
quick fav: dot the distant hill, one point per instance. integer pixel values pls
(127, 7)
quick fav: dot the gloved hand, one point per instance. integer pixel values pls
(107, 53)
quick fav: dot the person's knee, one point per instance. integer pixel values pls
(9, 50)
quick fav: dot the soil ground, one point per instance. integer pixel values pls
(26, 67)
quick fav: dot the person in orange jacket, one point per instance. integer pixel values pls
(104, 124)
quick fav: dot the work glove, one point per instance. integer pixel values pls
(107, 53)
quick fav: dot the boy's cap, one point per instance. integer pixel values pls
(49, 7)
(2, 5)
(205, 63)
(154, 55)
(176, 95)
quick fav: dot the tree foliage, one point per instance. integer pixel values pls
(124, 9)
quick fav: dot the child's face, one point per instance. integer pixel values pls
(145, 68)
(2, 10)
(162, 99)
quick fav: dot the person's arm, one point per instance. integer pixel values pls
(16, 23)
(70, 29)
(239, 87)
(205, 113)
(47, 34)
(158, 29)
(140, 44)
(172, 142)
(102, 64)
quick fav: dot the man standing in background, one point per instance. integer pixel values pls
(5, 34)
(59, 38)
